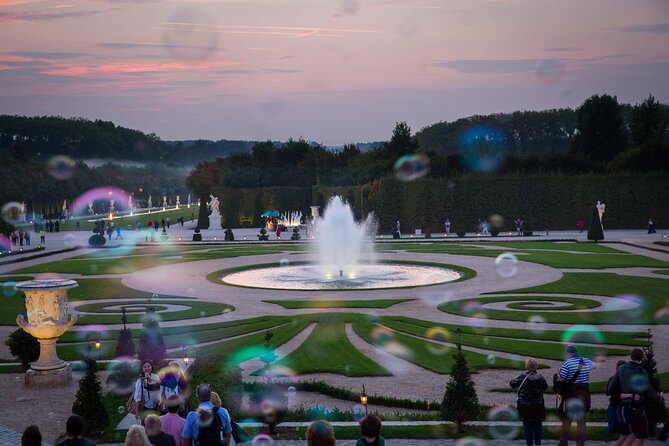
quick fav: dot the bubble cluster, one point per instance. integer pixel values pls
(13, 213)
(491, 359)
(500, 429)
(470, 441)
(538, 324)
(411, 167)
(483, 148)
(506, 265)
(190, 35)
(284, 263)
(70, 241)
(440, 337)
(549, 70)
(60, 167)
(627, 307)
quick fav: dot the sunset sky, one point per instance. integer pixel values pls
(330, 71)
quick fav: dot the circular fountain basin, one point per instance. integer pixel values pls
(367, 277)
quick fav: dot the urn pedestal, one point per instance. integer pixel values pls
(46, 306)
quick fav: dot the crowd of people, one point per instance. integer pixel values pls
(629, 391)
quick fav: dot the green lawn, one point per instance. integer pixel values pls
(197, 309)
(370, 303)
(662, 271)
(125, 264)
(328, 350)
(174, 214)
(651, 294)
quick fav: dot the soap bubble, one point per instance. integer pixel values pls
(506, 265)
(292, 391)
(538, 324)
(491, 359)
(382, 336)
(154, 297)
(586, 338)
(411, 167)
(575, 409)
(549, 71)
(496, 221)
(349, 6)
(120, 409)
(470, 441)
(9, 288)
(69, 240)
(284, 263)
(262, 440)
(441, 336)
(13, 213)
(639, 383)
(482, 148)
(626, 307)
(498, 429)
(60, 167)
(190, 35)
(358, 411)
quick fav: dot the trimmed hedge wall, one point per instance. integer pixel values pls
(543, 201)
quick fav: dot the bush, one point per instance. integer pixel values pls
(88, 401)
(461, 233)
(296, 233)
(97, 240)
(527, 233)
(151, 343)
(263, 235)
(197, 237)
(494, 232)
(23, 346)
(124, 345)
(460, 402)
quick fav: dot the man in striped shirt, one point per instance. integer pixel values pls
(577, 396)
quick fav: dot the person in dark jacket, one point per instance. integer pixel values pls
(154, 430)
(531, 386)
(631, 382)
(614, 426)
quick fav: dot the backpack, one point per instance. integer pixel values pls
(211, 428)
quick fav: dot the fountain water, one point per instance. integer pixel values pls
(346, 261)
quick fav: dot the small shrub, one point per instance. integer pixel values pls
(494, 232)
(296, 233)
(23, 346)
(197, 237)
(124, 345)
(87, 403)
(461, 233)
(97, 240)
(263, 235)
(527, 233)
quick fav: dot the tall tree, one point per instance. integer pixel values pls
(646, 123)
(460, 402)
(88, 401)
(656, 411)
(401, 143)
(601, 128)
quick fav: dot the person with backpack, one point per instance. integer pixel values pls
(632, 384)
(531, 386)
(614, 426)
(75, 431)
(573, 385)
(208, 425)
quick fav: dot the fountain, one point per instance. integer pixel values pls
(46, 306)
(346, 261)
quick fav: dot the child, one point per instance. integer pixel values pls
(370, 427)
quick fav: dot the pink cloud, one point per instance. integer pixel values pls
(108, 70)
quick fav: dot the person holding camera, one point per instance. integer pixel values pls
(147, 390)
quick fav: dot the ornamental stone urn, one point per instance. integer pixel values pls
(46, 305)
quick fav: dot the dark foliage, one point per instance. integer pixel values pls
(460, 402)
(595, 231)
(151, 343)
(124, 345)
(96, 240)
(655, 410)
(23, 346)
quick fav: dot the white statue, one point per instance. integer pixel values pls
(130, 203)
(90, 208)
(164, 202)
(111, 206)
(189, 201)
(213, 204)
(149, 203)
(178, 202)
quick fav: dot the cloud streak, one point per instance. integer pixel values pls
(656, 28)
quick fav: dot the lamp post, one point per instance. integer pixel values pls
(363, 398)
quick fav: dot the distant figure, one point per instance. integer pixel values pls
(42, 237)
(21, 235)
(118, 233)
(27, 237)
(484, 228)
(580, 225)
(110, 231)
(192, 217)
(447, 227)
(168, 222)
(278, 232)
(77, 226)
(229, 236)
(651, 226)
(57, 225)
(519, 226)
